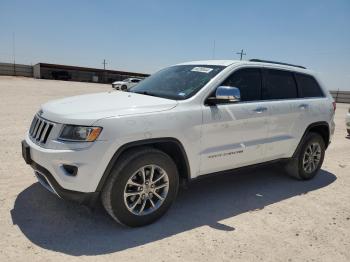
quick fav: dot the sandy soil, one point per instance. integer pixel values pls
(260, 215)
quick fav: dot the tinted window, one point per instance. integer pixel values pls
(279, 85)
(248, 81)
(308, 86)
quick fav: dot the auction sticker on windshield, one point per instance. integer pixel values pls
(202, 69)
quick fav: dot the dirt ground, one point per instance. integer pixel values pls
(260, 215)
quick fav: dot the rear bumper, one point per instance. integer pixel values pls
(47, 180)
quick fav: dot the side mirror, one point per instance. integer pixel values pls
(225, 94)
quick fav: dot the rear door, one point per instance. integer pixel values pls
(314, 104)
(280, 96)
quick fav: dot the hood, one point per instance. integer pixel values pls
(86, 109)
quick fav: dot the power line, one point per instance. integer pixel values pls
(241, 54)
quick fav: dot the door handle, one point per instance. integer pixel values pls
(303, 106)
(260, 109)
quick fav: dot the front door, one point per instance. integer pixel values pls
(233, 135)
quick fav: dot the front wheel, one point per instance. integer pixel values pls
(141, 188)
(309, 158)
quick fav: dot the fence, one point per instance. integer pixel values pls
(341, 96)
(8, 69)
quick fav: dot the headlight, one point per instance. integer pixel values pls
(79, 133)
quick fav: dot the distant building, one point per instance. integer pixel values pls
(82, 74)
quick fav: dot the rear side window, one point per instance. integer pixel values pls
(279, 85)
(248, 81)
(308, 86)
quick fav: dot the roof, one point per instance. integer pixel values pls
(243, 62)
(88, 69)
(211, 62)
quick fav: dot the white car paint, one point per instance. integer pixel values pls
(205, 132)
(126, 84)
(86, 109)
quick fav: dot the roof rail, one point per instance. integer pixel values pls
(273, 62)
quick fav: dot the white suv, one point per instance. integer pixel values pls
(132, 149)
(126, 84)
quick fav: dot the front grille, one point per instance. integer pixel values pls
(40, 129)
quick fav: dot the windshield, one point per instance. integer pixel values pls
(177, 82)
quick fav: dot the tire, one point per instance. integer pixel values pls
(119, 184)
(124, 88)
(295, 166)
(348, 132)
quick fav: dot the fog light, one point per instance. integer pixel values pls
(70, 170)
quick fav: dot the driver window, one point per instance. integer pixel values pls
(248, 80)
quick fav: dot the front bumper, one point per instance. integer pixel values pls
(47, 180)
(90, 159)
(50, 164)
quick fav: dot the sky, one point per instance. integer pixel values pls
(145, 36)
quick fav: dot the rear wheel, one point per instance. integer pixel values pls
(124, 88)
(309, 158)
(141, 188)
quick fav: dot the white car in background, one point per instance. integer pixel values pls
(348, 122)
(126, 84)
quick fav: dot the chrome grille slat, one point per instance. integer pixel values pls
(46, 135)
(44, 132)
(36, 128)
(40, 130)
(33, 125)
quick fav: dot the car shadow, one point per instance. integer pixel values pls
(66, 227)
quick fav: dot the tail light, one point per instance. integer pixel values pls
(334, 106)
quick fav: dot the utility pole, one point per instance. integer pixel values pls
(214, 50)
(104, 70)
(14, 53)
(241, 54)
(104, 64)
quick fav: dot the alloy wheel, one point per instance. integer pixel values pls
(146, 190)
(312, 157)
